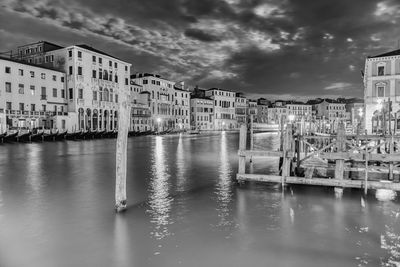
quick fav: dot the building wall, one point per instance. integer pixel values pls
(224, 108)
(300, 111)
(141, 119)
(262, 113)
(182, 109)
(37, 96)
(202, 113)
(240, 110)
(384, 87)
(94, 83)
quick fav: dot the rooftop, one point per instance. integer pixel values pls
(388, 54)
(29, 64)
(87, 47)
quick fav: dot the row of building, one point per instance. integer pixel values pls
(43, 85)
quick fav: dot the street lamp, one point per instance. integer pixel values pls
(291, 117)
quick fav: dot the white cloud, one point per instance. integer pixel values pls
(338, 86)
(352, 67)
(268, 10)
(328, 36)
(349, 40)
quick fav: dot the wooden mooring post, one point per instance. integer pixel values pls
(251, 135)
(324, 148)
(121, 153)
(340, 147)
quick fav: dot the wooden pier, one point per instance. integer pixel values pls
(339, 156)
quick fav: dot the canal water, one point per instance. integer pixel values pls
(184, 209)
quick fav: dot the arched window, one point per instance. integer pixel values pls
(381, 68)
(380, 89)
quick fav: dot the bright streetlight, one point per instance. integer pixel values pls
(291, 117)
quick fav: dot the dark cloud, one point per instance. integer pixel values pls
(257, 46)
(201, 35)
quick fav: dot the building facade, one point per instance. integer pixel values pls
(31, 96)
(202, 113)
(224, 108)
(382, 92)
(141, 120)
(240, 109)
(299, 110)
(182, 108)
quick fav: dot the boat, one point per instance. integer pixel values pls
(12, 137)
(61, 136)
(114, 134)
(81, 135)
(193, 132)
(24, 137)
(91, 135)
(71, 136)
(2, 137)
(84, 135)
(132, 133)
(50, 136)
(37, 137)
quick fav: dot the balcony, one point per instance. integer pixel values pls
(81, 102)
(43, 97)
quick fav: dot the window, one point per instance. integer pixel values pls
(32, 74)
(43, 76)
(115, 65)
(94, 73)
(70, 70)
(21, 106)
(54, 78)
(79, 70)
(44, 108)
(70, 53)
(79, 54)
(8, 87)
(94, 59)
(127, 81)
(21, 72)
(126, 68)
(116, 98)
(145, 81)
(381, 70)
(43, 96)
(54, 92)
(380, 91)
(100, 74)
(8, 106)
(70, 93)
(100, 60)
(62, 93)
(80, 93)
(20, 88)
(8, 70)
(94, 95)
(110, 63)
(32, 88)
(62, 79)
(33, 108)
(116, 78)
(110, 76)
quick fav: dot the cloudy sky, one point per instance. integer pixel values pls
(273, 48)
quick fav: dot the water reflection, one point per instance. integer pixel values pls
(223, 187)
(159, 198)
(180, 166)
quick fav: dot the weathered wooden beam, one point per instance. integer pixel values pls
(242, 148)
(318, 181)
(124, 113)
(261, 153)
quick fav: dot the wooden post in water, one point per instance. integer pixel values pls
(339, 168)
(242, 147)
(121, 157)
(251, 136)
(287, 144)
(391, 151)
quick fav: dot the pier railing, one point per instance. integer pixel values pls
(301, 154)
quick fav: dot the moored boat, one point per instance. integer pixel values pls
(12, 137)
(37, 137)
(50, 136)
(24, 137)
(61, 136)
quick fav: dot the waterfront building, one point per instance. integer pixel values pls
(252, 109)
(162, 99)
(35, 53)
(240, 109)
(262, 113)
(224, 108)
(202, 113)
(141, 119)
(300, 111)
(330, 113)
(276, 114)
(382, 92)
(95, 80)
(31, 96)
(182, 107)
